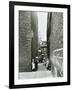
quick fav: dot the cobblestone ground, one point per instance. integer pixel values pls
(42, 72)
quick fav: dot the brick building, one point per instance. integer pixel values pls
(55, 40)
(27, 37)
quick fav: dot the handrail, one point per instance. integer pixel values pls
(57, 50)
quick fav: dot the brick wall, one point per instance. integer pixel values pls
(56, 37)
(55, 42)
(28, 39)
(24, 41)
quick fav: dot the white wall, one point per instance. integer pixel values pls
(4, 43)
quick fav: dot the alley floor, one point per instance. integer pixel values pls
(41, 67)
(42, 72)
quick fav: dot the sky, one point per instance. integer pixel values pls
(42, 25)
